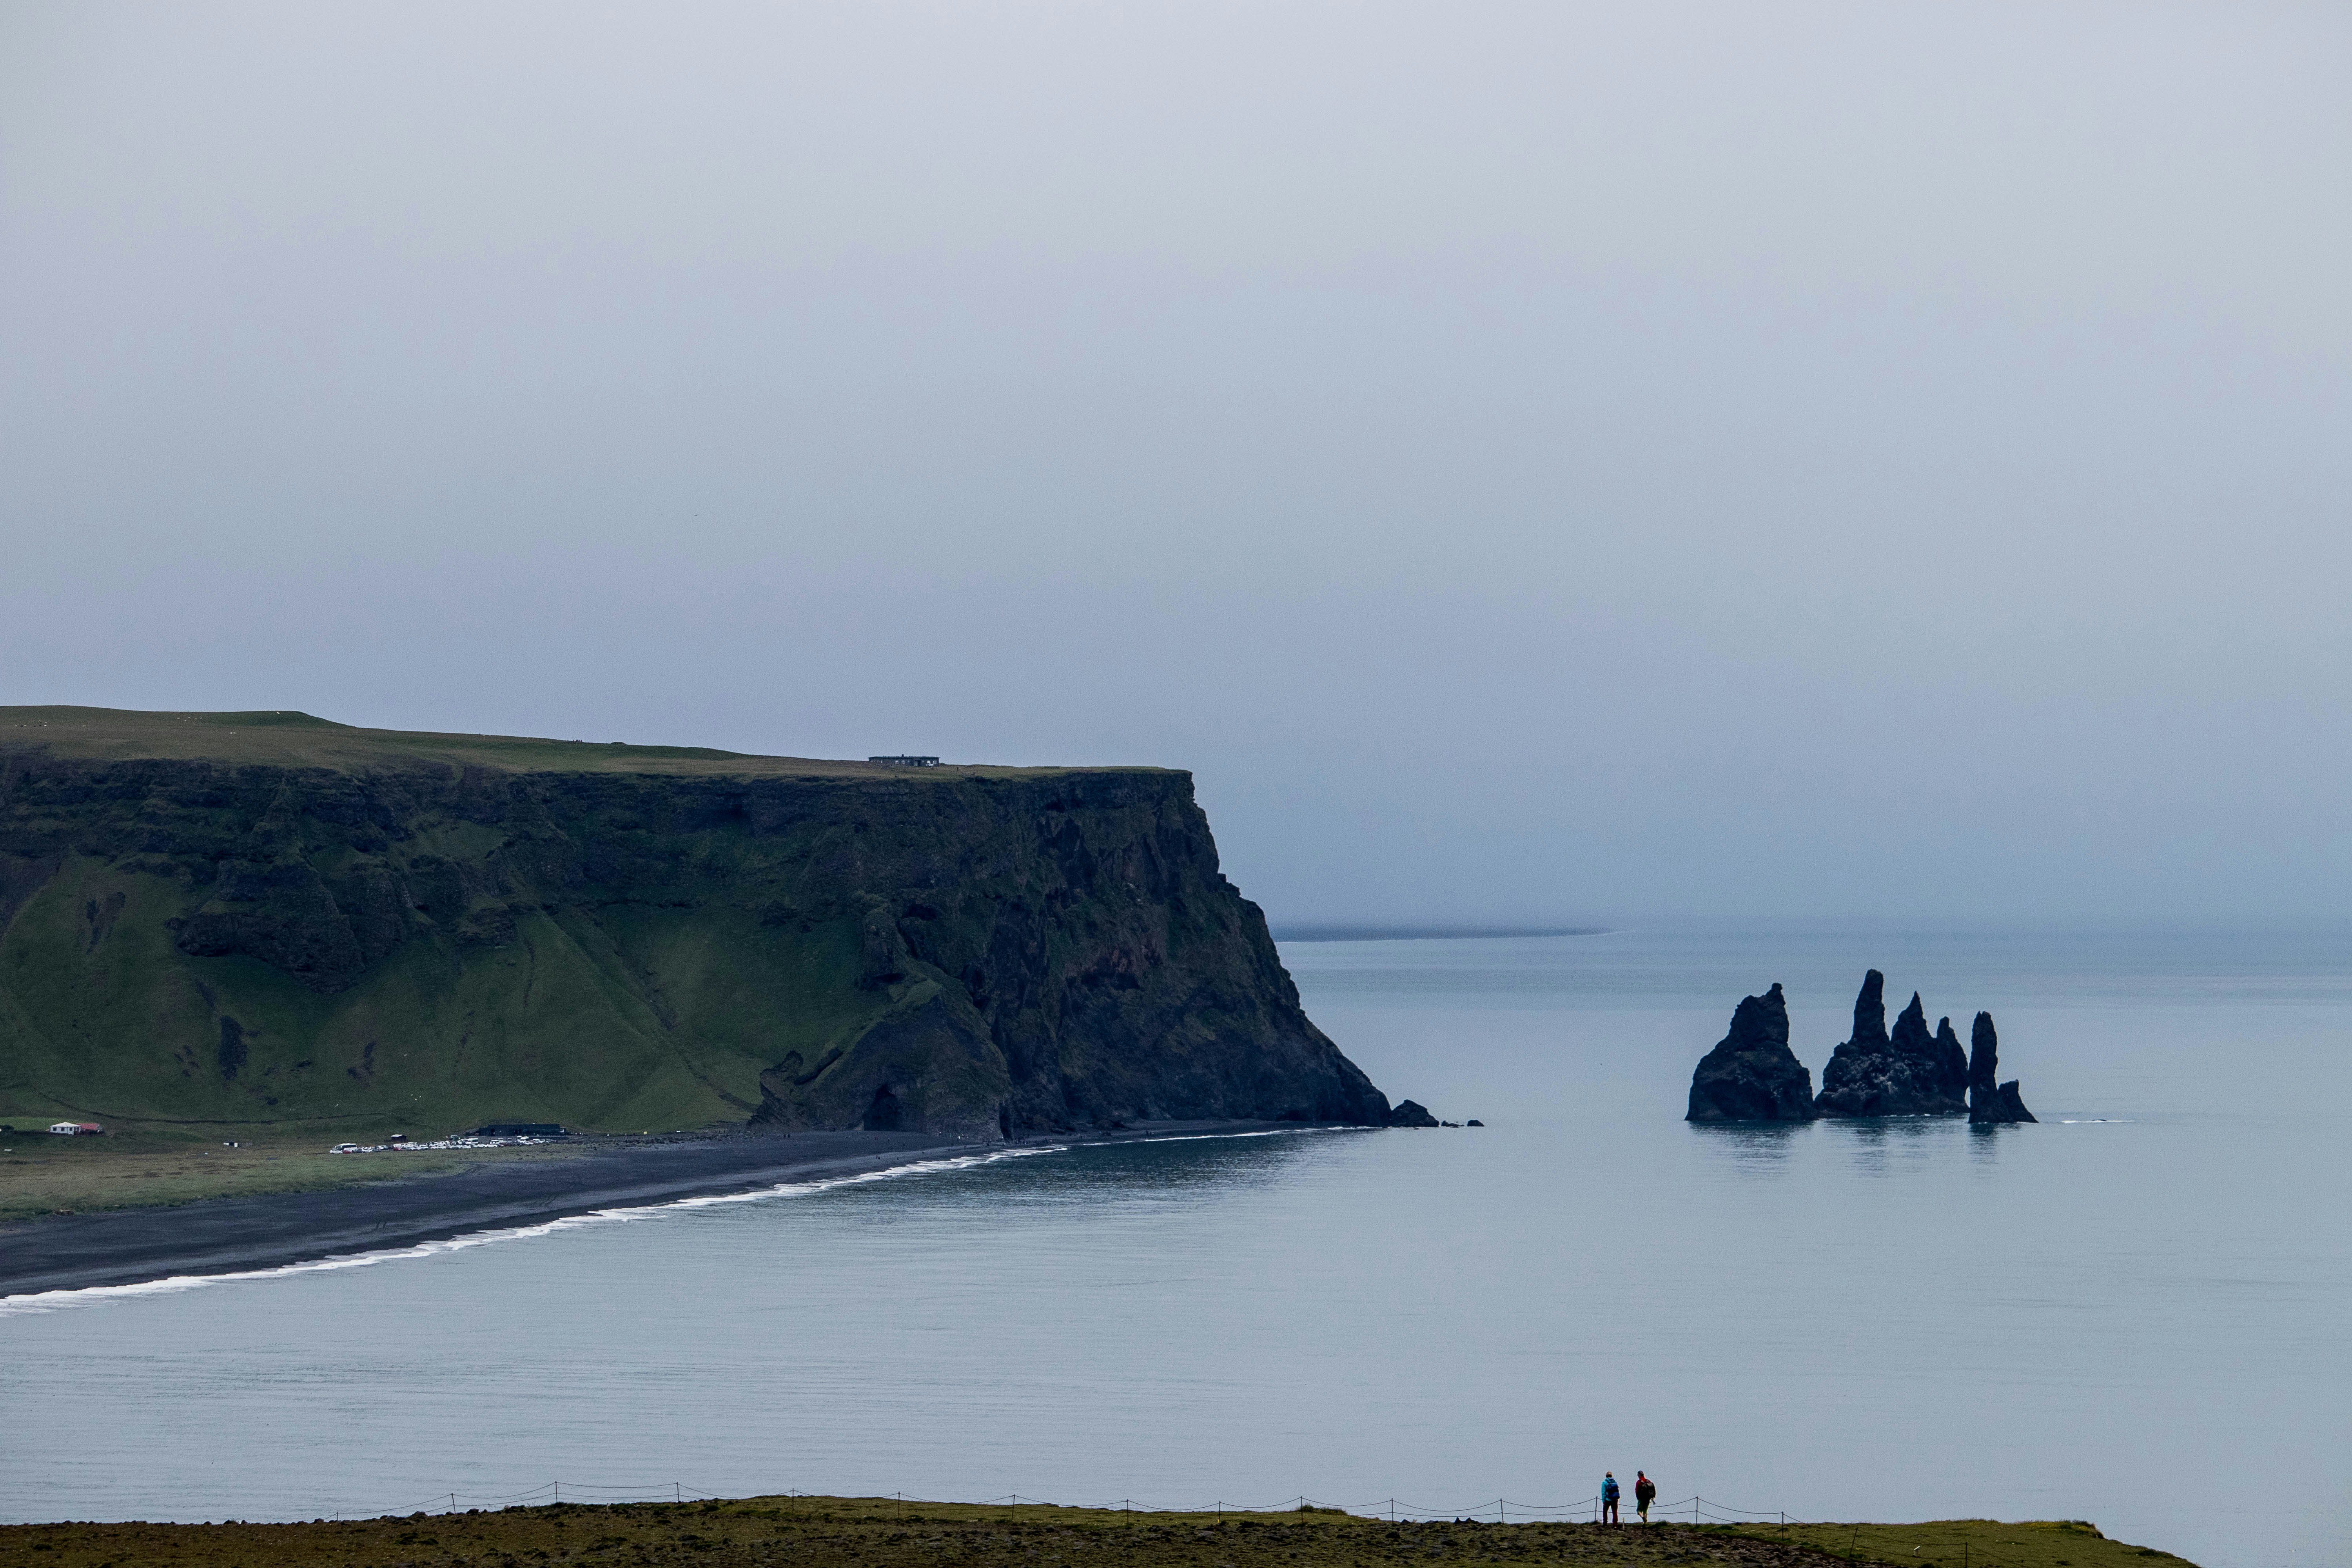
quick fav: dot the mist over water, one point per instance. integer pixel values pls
(2131, 1313)
(1555, 465)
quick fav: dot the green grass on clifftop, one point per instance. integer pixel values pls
(882, 1532)
(290, 739)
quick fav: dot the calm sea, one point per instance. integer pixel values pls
(2136, 1313)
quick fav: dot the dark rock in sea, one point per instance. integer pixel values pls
(1411, 1113)
(1910, 1034)
(1984, 1056)
(1474, 1122)
(2008, 1106)
(1936, 1060)
(1989, 1100)
(1951, 1063)
(1751, 1074)
(1912, 1073)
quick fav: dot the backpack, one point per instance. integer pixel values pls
(1609, 1489)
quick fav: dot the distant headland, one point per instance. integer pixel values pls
(220, 920)
(1308, 933)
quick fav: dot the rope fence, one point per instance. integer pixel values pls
(1501, 1511)
(537, 1496)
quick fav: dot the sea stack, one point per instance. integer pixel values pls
(1989, 1101)
(1913, 1073)
(1752, 1075)
(1951, 1062)
(1937, 1067)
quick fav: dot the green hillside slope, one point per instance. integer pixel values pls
(235, 919)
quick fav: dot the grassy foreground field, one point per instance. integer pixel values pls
(43, 1175)
(880, 1533)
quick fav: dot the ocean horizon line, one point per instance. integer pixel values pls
(1304, 932)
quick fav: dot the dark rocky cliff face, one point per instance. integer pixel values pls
(1752, 1075)
(976, 955)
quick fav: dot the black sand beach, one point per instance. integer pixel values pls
(128, 1246)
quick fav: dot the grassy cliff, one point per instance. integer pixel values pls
(227, 920)
(887, 1532)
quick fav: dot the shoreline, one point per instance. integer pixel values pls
(237, 1235)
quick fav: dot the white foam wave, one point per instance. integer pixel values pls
(54, 1300)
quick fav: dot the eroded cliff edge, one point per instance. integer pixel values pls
(438, 935)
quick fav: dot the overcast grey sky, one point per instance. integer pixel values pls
(1530, 461)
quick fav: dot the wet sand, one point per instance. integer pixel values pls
(221, 1236)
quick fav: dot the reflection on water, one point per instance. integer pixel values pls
(1760, 1148)
(1874, 1145)
(1168, 1169)
(1896, 1319)
(1985, 1139)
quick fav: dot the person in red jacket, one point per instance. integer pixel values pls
(1645, 1491)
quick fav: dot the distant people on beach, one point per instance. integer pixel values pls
(1645, 1492)
(1609, 1497)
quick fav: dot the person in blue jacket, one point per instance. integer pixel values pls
(1609, 1497)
